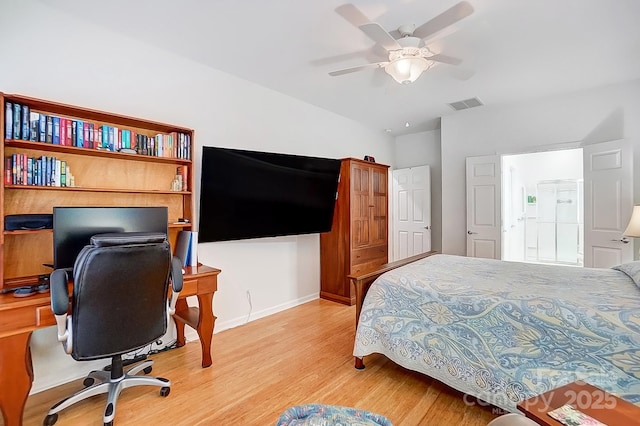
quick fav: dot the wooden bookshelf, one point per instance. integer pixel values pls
(102, 178)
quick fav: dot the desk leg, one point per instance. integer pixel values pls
(181, 306)
(16, 376)
(206, 320)
(201, 319)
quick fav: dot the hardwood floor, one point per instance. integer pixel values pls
(302, 355)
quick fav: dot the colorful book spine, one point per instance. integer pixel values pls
(111, 140)
(42, 128)
(69, 132)
(159, 145)
(14, 169)
(40, 167)
(79, 142)
(55, 135)
(86, 143)
(24, 123)
(34, 126)
(30, 171)
(7, 171)
(56, 177)
(92, 141)
(104, 137)
(63, 131)
(98, 138)
(17, 121)
(8, 120)
(25, 169)
(126, 136)
(63, 173)
(49, 138)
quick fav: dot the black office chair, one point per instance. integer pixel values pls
(119, 305)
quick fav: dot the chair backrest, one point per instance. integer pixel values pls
(119, 294)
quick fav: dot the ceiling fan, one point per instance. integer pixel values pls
(408, 55)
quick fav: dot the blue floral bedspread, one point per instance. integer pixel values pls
(505, 331)
(328, 415)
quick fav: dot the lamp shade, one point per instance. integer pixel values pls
(633, 228)
(407, 69)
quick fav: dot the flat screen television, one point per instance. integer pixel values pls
(252, 194)
(73, 227)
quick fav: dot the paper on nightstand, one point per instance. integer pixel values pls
(570, 416)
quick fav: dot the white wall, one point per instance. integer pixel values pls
(50, 55)
(419, 149)
(548, 165)
(596, 115)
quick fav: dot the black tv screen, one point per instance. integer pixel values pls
(252, 194)
(73, 227)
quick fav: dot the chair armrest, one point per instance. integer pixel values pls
(176, 274)
(58, 285)
(59, 288)
(176, 283)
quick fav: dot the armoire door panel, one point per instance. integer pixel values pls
(360, 233)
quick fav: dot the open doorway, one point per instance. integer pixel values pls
(543, 207)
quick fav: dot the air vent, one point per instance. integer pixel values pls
(466, 104)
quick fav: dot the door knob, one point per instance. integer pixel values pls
(622, 240)
(470, 233)
(427, 227)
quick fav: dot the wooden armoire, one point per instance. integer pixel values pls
(358, 241)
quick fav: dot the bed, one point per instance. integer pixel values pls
(506, 331)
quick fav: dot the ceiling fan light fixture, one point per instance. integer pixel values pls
(407, 69)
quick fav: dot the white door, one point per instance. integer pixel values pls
(411, 211)
(608, 202)
(483, 207)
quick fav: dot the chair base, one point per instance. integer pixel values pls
(100, 381)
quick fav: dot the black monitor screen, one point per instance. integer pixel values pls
(73, 227)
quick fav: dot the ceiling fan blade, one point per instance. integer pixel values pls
(358, 68)
(446, 18)
(445, 59)
(352, 14)
(362, 55)
(380, 36)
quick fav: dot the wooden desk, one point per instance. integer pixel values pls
(592, 401)
(20, 316)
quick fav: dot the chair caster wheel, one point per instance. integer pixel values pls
(147, 370)
(50, 420)
(165, 391)
(88, 381)
(109, 423)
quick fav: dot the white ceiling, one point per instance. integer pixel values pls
(512, 50)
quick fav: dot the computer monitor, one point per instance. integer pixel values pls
(73, 227)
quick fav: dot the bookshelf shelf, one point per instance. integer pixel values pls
(180, 225)
(43, 146)
(101, 177)
(28, 231)
(87, 189)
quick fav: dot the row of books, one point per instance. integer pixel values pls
(23, 124)
(21, 169)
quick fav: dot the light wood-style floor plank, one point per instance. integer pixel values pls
(302, 355)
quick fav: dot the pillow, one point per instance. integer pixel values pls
(632, 269)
